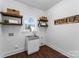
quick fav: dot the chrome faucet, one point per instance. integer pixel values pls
(34, 34)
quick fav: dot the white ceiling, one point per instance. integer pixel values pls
(41, 4)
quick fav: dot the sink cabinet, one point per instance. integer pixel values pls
(32, 46)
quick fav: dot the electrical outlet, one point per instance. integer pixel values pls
(16, 47)
(41, 37)
(11, 34)
(41, 43)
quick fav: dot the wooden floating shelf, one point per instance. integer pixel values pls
(9, 23)
(42, 25)
(67, 20)
(6, 14)
(43, 20)
(10, 15)
(1, 22)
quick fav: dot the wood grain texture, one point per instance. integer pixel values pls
(44, 52)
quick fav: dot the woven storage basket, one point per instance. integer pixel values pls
(13, 12)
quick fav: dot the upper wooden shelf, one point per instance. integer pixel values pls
(19, 22)
(6, 14)
(43, 20)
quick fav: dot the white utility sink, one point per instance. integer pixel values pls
(32, 44)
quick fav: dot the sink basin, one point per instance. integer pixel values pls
(33, 37)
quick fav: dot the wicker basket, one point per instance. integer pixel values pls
(43, 18)
(13, 12)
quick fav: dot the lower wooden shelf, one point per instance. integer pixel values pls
(10, 23)
(1, 22)
(42, 25)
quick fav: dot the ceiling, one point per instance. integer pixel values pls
(40, 4)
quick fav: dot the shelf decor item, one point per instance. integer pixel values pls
(67, 20)
(13, 12)
(6, 21)
(43, 21)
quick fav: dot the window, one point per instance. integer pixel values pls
(29, 23)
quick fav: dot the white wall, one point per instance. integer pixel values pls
(18, 40)
(64, 38)
(0, 5)
(1, 50)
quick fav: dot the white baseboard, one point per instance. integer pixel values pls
(15, 52)
(53, 47)
(61, 51)
(12, 53)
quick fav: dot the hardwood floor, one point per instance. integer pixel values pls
(45, 52)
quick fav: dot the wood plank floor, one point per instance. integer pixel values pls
(45, 52)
